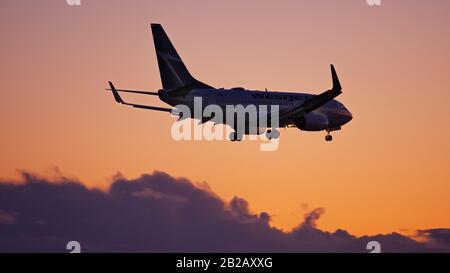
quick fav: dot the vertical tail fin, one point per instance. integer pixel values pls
(174, 73)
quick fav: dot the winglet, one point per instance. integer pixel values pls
(336, 83)
(116, 94)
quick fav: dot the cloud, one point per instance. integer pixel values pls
(439, 237)
(159, 213)
(312, 217)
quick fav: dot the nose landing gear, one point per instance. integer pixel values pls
(328, 137)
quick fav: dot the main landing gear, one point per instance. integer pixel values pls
(272, 134)
(235, 137)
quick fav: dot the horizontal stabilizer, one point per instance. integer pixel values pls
(121, 101)
(136, 92)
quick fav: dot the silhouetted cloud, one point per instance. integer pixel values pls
(159, 213)
(313, 216)
(438, 237)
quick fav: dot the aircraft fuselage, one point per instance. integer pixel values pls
(330, 116)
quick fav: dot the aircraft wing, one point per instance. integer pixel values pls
(119, 100)
(314, 102)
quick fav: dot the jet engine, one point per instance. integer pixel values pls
(312, 122)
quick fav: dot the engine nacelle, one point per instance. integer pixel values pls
(312, 122)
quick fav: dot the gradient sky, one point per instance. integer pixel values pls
(387, 170)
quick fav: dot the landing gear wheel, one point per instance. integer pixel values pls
(235, 137)
(272, 134)
(328, 138)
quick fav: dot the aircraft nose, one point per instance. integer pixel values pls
(347, 116)
(344, 116)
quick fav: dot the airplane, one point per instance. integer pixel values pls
(307, 112)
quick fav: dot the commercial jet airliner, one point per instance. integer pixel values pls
(307, 112)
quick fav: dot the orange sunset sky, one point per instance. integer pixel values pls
(387, 170)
